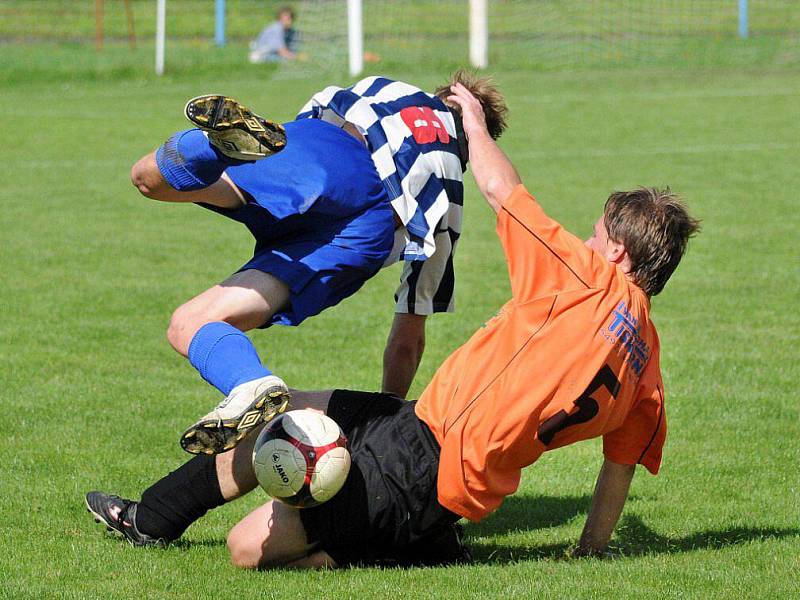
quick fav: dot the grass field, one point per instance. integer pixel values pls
(94, 398)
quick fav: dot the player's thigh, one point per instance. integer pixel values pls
(246, 300)
(271, 535)
(314, 400)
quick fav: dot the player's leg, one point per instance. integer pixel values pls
(169, 506)
(234, 469)
(291, 261)
(147, 178)
(229, 134)
(209, 330)
(270, 536)
(245, 300)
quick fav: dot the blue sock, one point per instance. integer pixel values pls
(189, 162)
(225, 357)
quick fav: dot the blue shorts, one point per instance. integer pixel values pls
(320, 216)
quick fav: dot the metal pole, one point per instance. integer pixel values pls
(479, 33)
(743, 19)
(355, 37)
(219, 31)
(161, 17)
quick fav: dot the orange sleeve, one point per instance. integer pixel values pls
(543, 257)
(640, 438)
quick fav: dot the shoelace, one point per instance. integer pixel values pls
(119, 519)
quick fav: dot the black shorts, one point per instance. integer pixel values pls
(388, 504)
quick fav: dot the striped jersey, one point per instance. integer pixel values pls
(413, 141)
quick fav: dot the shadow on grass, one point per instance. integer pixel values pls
(185, 544)
(525, 513)
(632, 538)
(635, 538)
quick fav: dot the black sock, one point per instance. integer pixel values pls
(176, 501)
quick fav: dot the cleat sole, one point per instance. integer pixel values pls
(216, 437)
(234, 128)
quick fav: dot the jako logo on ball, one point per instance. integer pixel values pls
(301, 458)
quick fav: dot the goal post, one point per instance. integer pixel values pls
(478, 34)
(355, 36)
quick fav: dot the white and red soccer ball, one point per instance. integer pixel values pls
(301, 458)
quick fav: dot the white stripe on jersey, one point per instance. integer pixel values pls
(360, 87)
(436, 174)
(393, 91)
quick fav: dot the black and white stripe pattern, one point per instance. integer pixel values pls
(424, 182)
(428, 287)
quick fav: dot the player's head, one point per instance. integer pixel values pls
(646, 231)
(285, 16)
(485, 90)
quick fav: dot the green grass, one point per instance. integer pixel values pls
(94, 398)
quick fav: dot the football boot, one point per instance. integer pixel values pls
(119, 517)
(234, 129)
(246, 407)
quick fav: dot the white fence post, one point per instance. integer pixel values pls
(161, 13)
(355, 37)
(479, 33)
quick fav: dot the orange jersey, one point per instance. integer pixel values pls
(573, 355)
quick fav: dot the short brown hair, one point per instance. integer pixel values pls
(655, 227)
(285, 10)
(485, 90)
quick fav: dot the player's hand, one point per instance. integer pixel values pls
(472, 115)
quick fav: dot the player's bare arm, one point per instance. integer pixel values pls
(495, 175)
(609, 498)
(403, 353)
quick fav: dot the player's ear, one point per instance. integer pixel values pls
(616, 252)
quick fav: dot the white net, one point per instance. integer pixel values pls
(555, 34)
(551, 34)
(425, 35)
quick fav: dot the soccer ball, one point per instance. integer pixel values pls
(301, 458)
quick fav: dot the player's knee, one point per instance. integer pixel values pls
(182, 327)
(245, 554)
(139, 180)
(145, 176)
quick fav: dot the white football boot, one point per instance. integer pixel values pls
(234, 129)
(247, 406)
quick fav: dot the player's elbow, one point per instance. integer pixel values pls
(497, 189)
